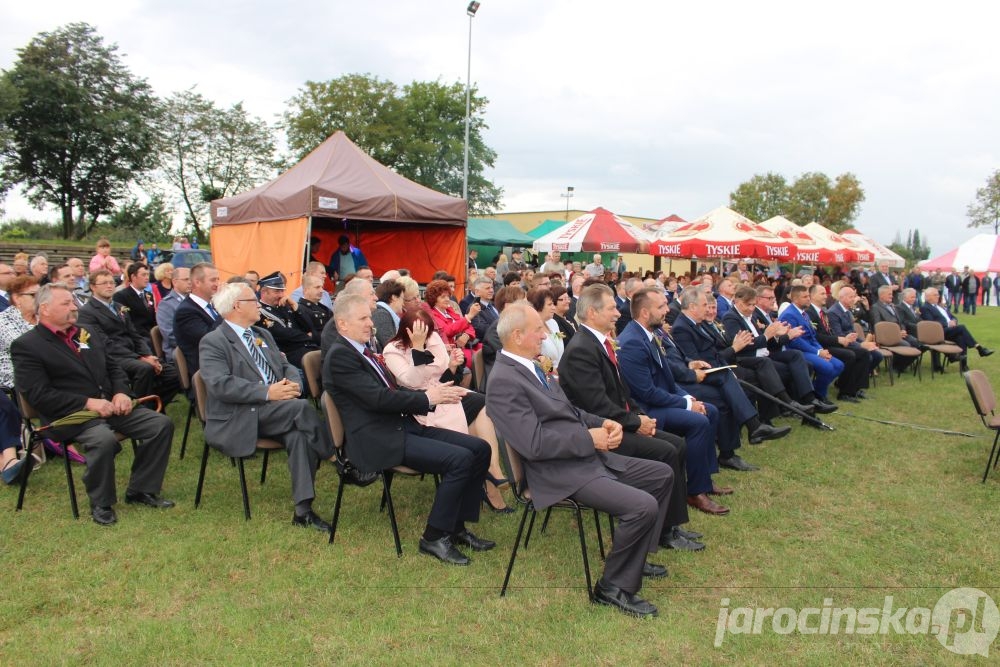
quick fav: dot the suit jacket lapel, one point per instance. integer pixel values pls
(241, 349)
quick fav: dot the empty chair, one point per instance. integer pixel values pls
(985, 402)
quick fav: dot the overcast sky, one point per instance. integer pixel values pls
(646, 108)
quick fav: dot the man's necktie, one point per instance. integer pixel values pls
(611, 351)
(823, 321)
(258, 357)
(212, 311)
(382, 370)
(541, 375)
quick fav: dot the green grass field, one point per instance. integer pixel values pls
(865, 512)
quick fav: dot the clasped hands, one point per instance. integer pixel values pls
(283, 390)
(119, 405)
(607, 436)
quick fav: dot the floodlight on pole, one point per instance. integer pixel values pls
(471, 11)
(568, 194)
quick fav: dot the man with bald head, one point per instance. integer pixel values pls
(568, 453)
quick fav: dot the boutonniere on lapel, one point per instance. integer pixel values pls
(557, 334)
(545, 363)
(614, 345)
(123, 310)
(259, 342)
(659, 343)
(760, 325)
(82, 339)
(148, 297)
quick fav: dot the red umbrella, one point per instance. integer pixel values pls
(597, 231)
(810, 246)
(722, 233)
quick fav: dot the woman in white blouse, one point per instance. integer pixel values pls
(552, 347)
(19, 318)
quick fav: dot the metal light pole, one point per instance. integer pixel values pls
(471, 11)
(568, 195)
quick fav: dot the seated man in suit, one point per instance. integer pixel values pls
(697, 344)
(566, 454)
(589, 376)
(857, 361)
(139, 302)
(146, 372)
(826, 367)
(841, 318)
(195, 315)
(253, 392)
(381, 432)
(488, 314)
(789, 364)
(652, 388)
(957, 333)
(62, 369)
(362, 288)
(168, 308)
(885, 310)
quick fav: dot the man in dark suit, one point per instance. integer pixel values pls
(789, 364)
(909, 311)
(697, 344)
(841, 319)
(487, 315)
(632, 285)
(62, 369)
(566, 454)
(647, 373)
(853, 381)
(885, 310)
(138, 301)
(146, 372)
(589, 376)
(957, 333)
(881, 278)
(826, 367)
(381, 432)
(253, 392)
(196, 315)
(953, 283)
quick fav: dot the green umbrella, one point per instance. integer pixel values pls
(84, 416)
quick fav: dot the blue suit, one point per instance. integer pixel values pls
(723, 306)
(826, 370)
(4, 303)
(644, 369)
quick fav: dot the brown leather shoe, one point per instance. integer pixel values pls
(720, 491)
(707, 505)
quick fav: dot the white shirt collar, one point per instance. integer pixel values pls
(597, 334)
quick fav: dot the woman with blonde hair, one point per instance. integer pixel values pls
(163, 283)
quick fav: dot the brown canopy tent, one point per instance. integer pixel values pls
(339, 189)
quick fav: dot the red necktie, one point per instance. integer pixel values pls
(382, 370)
(614, 360)
(822, 320)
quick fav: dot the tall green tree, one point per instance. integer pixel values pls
(210, 153)
(417, 130)
(812, 197)
(762, 197)
(984, 211)
(81, 127)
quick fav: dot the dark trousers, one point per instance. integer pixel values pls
(145, 381)
(699, 433)
(960, 336)
(461, 460)
(638, 498)
(154, 432)
(723, 391)
(794, 373)
(666, 448)
(856, 366)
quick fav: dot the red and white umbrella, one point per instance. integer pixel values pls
(722, 233)
(880, 254)
(814, 244)
(597, 231)
(667, 224)
(853, 252)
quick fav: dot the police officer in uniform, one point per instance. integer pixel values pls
(285, 320)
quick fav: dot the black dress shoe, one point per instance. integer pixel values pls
(848, 398)
(654, 571)
(148, 499)
(467, 538)
(734, 462)
(690, 534)
(674, 540)
(808, 409)
(627, 603)
(443, 550)
(860, 393)
(984, 351)
(824, 407)
(104, 516)
(310, 518)
(765, 432)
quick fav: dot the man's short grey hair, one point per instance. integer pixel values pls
(513, 318)
(357, 287)
(908, 291)
(931, 289)
(311, 279)
(884, 289)
(315, 268)
(591, 296)
(225, 299)
(631, 285)
(35, 260)
(482, 281)
(690, 297)
(345, 302)
(45, 294)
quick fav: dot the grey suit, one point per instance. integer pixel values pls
(238, 412)
(560, 461)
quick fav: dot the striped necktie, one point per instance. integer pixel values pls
(258, 357)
